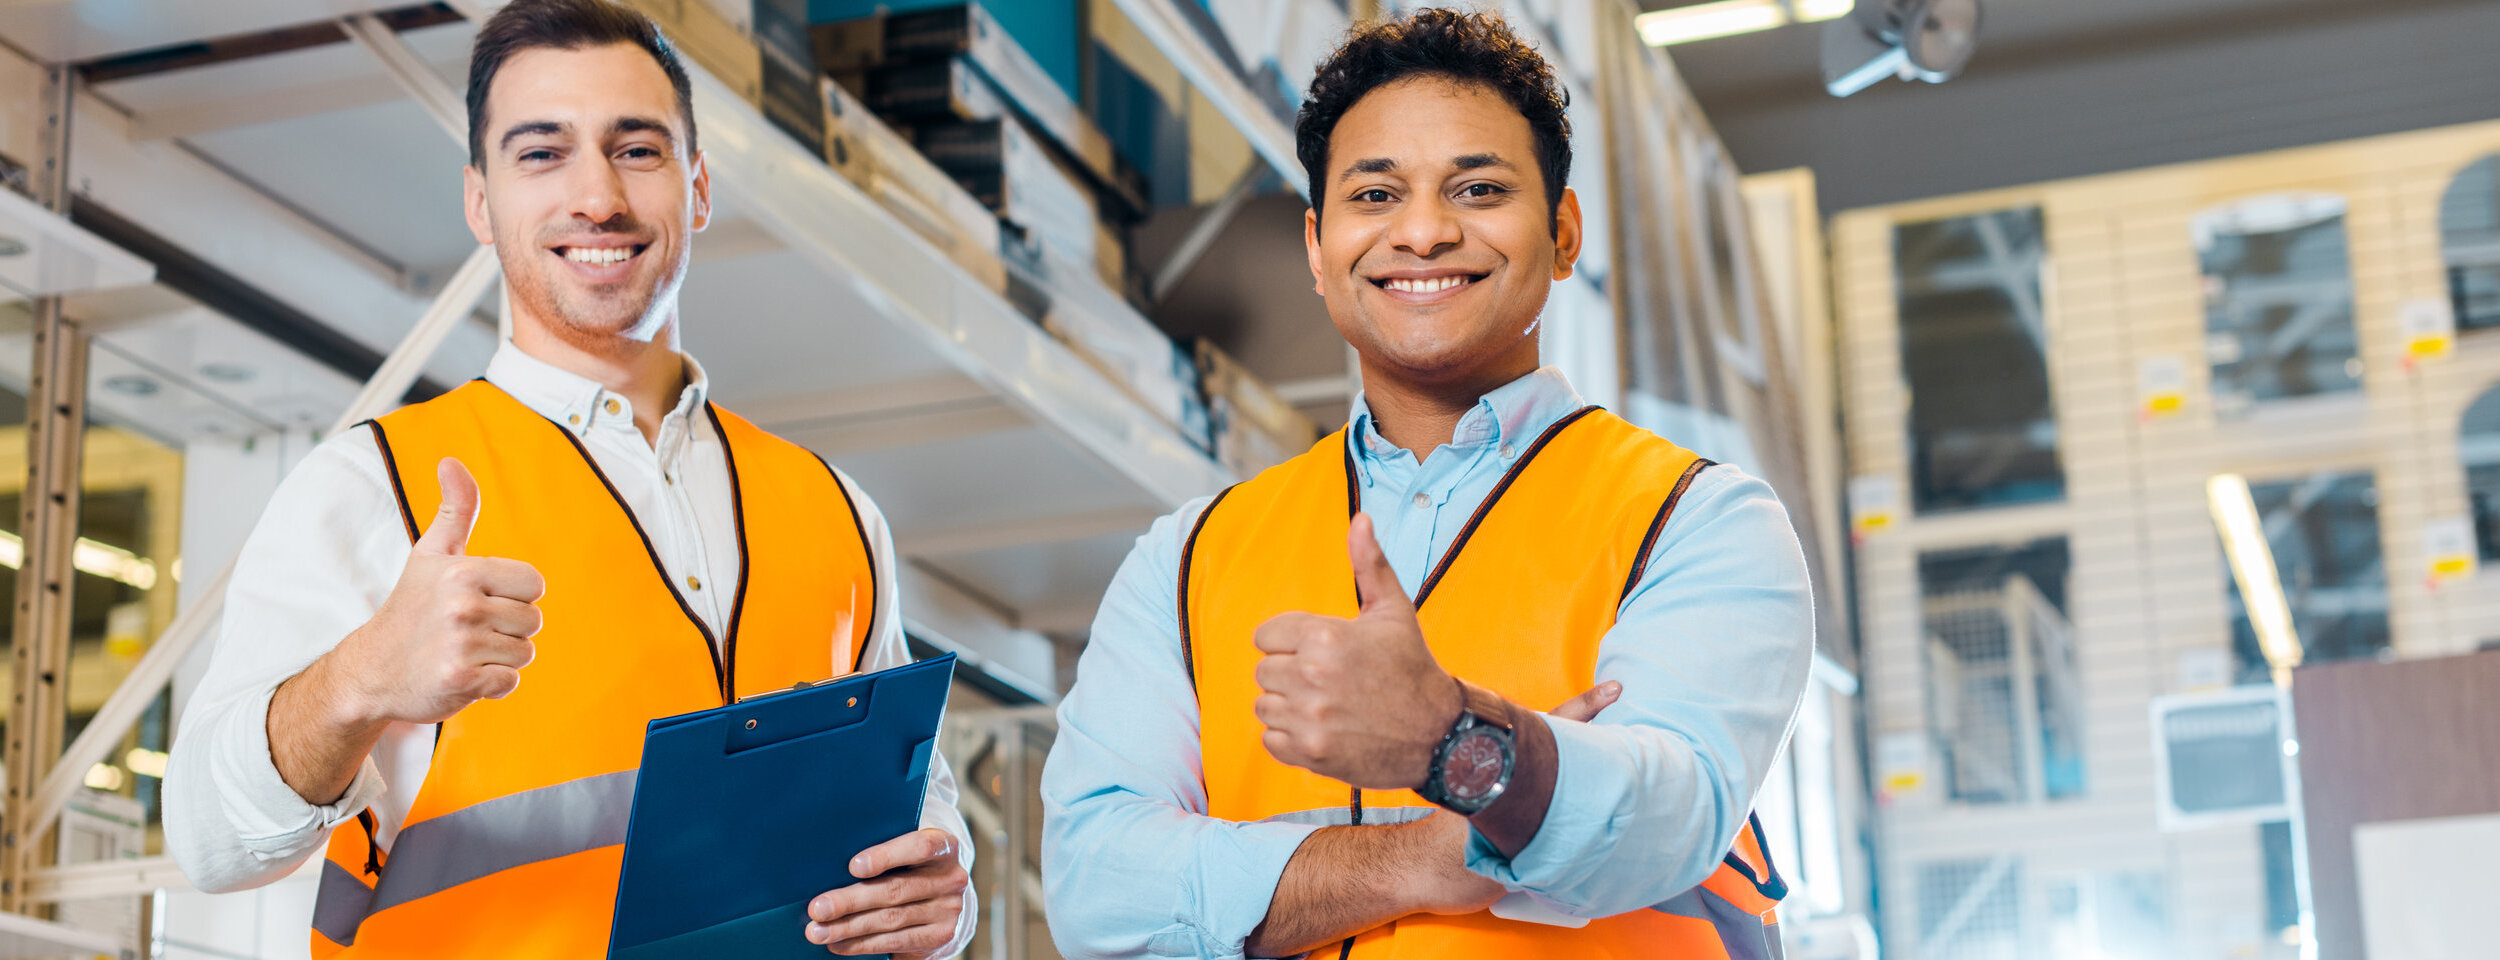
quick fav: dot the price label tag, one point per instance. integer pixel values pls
(2448, 548)
(2430, 330)
(1874, 504)
(2161, 386)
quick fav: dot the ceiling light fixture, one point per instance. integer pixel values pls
(2252, 567)
(1727, 18)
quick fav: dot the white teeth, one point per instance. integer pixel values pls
(1433, 285)
(599, 256)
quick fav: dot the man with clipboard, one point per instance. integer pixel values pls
(444, 640)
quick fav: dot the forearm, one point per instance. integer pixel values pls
(230, 820)
(317, 739)
(1345, 880)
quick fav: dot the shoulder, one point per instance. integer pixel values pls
(1725, 506)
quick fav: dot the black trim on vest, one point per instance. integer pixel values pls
(738, 520)
(711, 644)
(390, 466)
(1649, 541)
(1486, 508)
(1189, 549)
(866, 549)
(1772, 885)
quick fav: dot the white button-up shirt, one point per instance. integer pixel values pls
(327, 553)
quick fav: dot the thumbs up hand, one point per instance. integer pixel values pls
(455, 629)
(1360, 700)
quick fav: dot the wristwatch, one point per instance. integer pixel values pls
(1473, 764)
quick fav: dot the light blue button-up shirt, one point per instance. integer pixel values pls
(1712, 648)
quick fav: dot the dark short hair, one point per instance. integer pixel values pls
(1466, 48)
(565, 25)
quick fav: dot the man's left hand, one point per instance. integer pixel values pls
(1361, 700)
(910, 896)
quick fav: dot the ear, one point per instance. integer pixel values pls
(702, 195)
(1310, 247)
(1566, 234)
(473, 205)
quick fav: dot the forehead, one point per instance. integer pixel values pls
(586, 87)
(1430, 120)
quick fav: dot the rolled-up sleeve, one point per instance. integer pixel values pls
(1713, 648)
(1133, 866)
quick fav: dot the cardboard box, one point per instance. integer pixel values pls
(940, 54)
(712, 41)
(1005, 166)
(884, 164)
(849, 46)
(1254, 428)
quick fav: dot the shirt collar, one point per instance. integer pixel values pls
(1508, 414)
(571, 399)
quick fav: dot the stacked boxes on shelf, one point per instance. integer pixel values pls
(714, 38)
(985, 110)
(1253, 428)
(892, 172)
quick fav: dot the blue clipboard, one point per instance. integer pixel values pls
(744, 813)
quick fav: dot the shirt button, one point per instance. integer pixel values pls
(669, 478)
(573, 419)
(694, 583)
(612, 405)
(1423, 501)
(1507, 452)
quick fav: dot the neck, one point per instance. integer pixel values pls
(647, 372)
(1418, 415)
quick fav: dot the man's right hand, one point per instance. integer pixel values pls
(455, 630)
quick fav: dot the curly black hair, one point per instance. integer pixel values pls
(1477, 48)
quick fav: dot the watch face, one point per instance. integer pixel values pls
(1475, 766)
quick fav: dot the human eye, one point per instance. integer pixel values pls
(1372, 195)
(1481, 190)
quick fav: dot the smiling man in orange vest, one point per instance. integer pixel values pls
(1306, 719)
(443, 641)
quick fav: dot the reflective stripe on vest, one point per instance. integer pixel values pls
(1551, 554)
(512, 844)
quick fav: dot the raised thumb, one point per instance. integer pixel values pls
(1375, 584)
(448, 534)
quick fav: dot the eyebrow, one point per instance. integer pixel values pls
(1369, 165)
(642, 125)
(1472, 161)
(530, 129)
(622, 125)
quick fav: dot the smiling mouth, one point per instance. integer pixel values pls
(1427, 284)
(601, 256)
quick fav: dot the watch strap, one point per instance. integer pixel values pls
(1489, 707)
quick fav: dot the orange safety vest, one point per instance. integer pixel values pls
(513, 843)
(1518, 604)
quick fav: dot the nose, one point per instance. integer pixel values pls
(1426, 226)
(598, 193)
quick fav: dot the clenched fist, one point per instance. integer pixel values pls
(455, 630)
